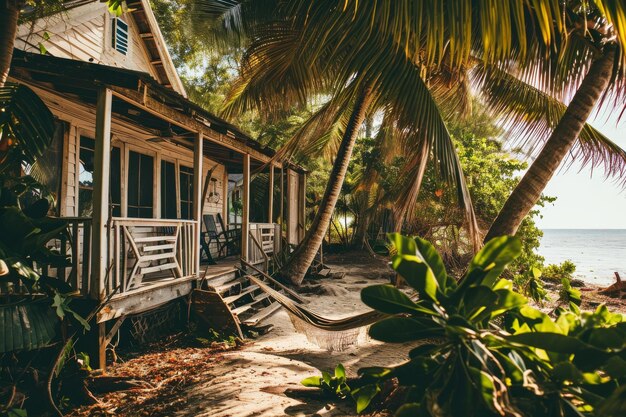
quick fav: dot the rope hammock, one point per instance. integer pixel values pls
(330, 334)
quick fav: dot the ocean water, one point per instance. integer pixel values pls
(597, 253)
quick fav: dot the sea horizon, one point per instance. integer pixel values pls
(597, 253)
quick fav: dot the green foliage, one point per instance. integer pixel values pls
(484, 350)
(569, 295)
(334, 385)
(556, 273)
(26, 129)
(534, 286)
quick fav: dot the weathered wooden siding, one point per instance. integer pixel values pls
(81, 122)
(84, 33)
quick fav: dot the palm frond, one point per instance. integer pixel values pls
(26, 122)
(529, 116)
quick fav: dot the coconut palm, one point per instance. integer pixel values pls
(589, 72)
(371, 56)
(344, 50)
(9, 15)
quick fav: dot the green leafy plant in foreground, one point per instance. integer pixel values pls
(483, 351)
(335, 385)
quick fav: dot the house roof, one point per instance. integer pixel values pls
(150, 36)
(153, 40)
(81, 80)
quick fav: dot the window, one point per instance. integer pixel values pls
(119, 35)
(140, 183)
(85, 179)
(168, 190)
(186, 192)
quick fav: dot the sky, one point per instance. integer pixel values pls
(586, 201)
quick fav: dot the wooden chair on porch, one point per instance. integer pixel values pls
(225, 241)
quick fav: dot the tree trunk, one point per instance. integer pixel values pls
(529, 189)
(295, 269)
(9, 13)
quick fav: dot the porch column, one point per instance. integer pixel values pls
(99, 243)
(245, 218)
(270, 210)
(282, 198)
(96, 337)
(302, 206)
(197, 199)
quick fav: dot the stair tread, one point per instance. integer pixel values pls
(245, 291)
(251, 304)
(229, 284)
(262, 314)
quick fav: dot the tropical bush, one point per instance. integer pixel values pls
(556, 272)
(483, 351)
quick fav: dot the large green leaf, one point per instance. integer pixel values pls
(402, 329)
(25, 118)
(417, 274)
(494, 257)
(553, 342)
(388, 299)
(434, 261)
(26, 326)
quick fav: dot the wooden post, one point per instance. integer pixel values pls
(245, 220)
(197, 199)
(225, 198)
(99, 243)
(102, 161)
(301, 206)
(271, 197)
(282, 198)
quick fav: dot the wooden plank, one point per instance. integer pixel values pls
(158, 268)
(101, 192)
(197, 202)
(158, 256)
(155, 239)
(229, 285)
(246, 291)
(262, 314)
(145, 298)
(245, 218)
(271, 195)
(171, 246)
(65, 178)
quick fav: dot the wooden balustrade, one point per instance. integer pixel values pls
(145, 252)
(265, 241)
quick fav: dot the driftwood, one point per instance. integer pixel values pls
(617, 290)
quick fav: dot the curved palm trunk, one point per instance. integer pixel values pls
(529, 189)
(301, 259)
(9, 13)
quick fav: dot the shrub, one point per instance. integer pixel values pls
(484, 351)
(556, 273)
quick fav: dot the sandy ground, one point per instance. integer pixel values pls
(258, 379)
(262, 378)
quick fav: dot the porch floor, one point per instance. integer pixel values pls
(223, 267)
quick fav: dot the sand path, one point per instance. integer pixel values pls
(258, 379)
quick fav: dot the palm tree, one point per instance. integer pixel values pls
(592, 64)
(371, 56)
(9, 15)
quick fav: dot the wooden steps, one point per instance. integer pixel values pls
(244, 303)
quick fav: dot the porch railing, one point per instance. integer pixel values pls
(265, 239)
(145, 252)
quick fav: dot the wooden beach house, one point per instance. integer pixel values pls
(142, 174)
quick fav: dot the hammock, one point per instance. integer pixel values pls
(330, 334)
